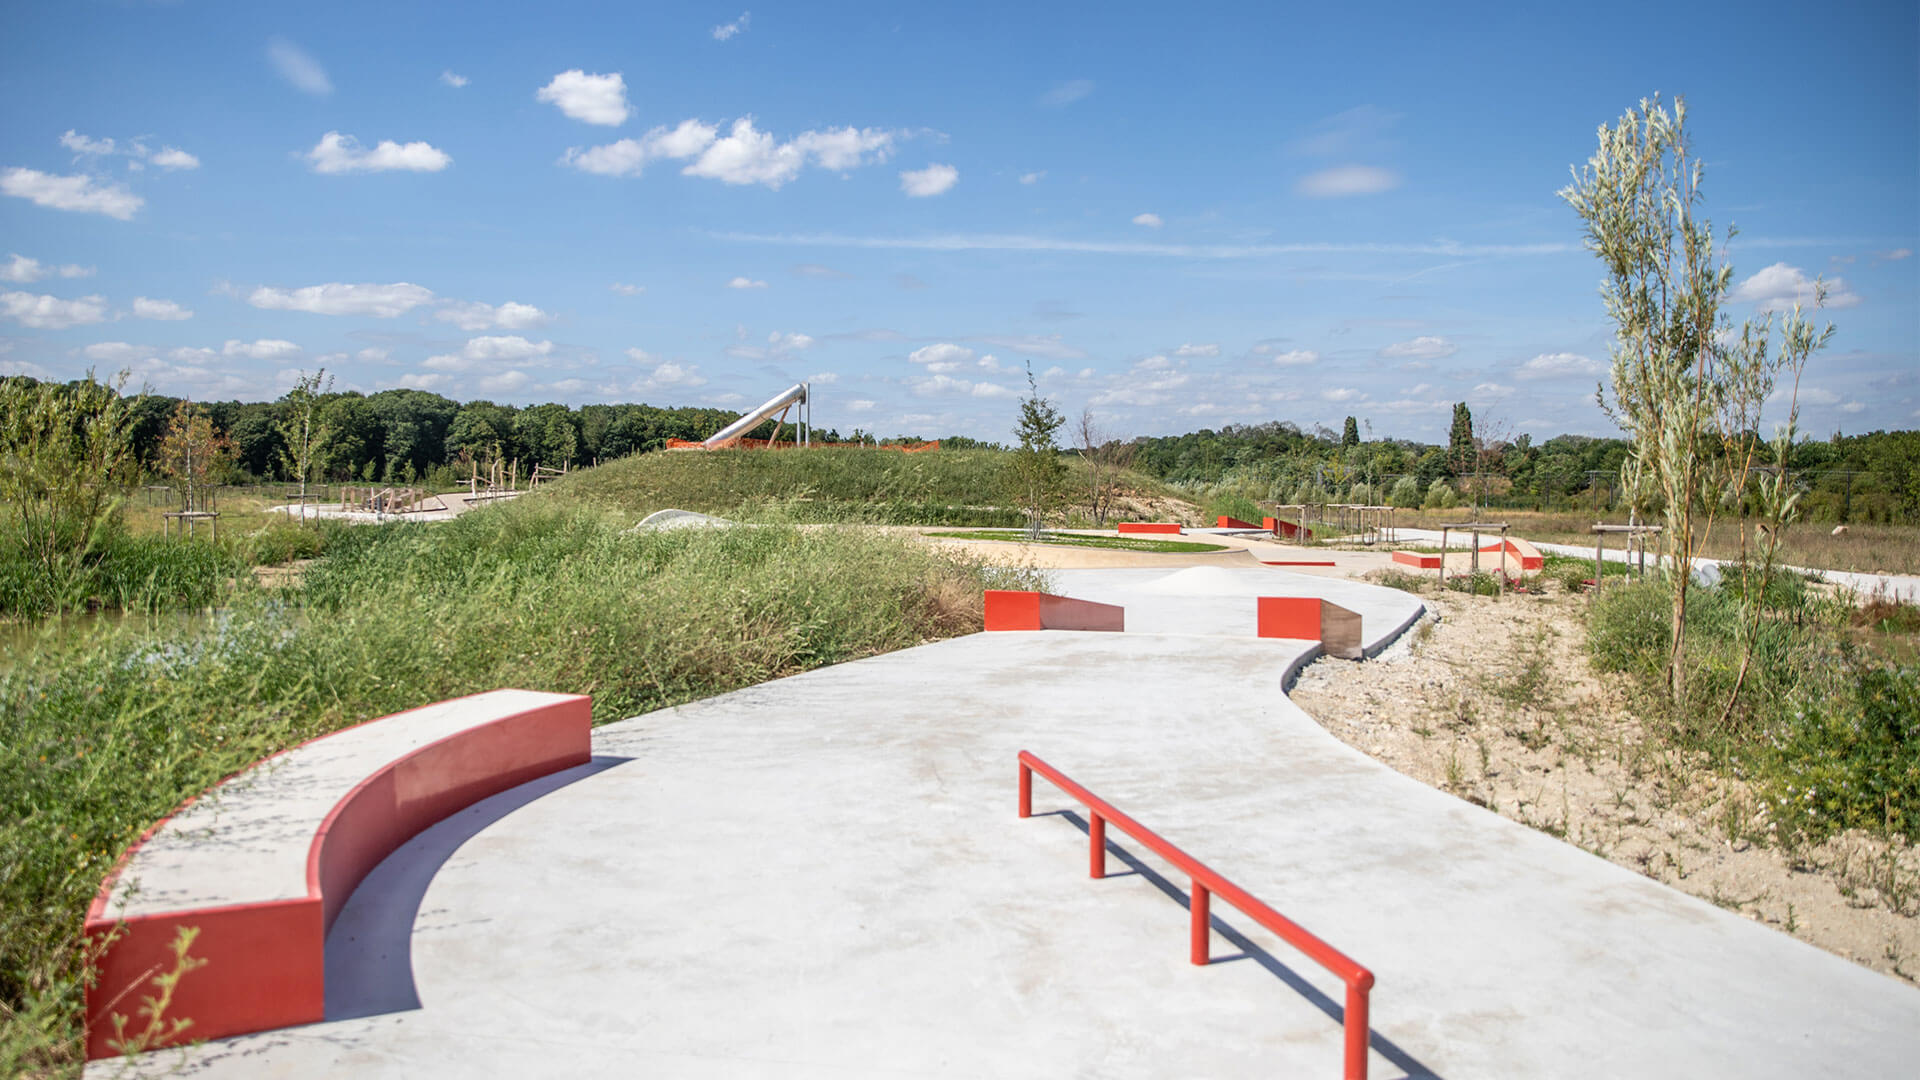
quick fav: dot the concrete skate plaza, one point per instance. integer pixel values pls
(825, 876)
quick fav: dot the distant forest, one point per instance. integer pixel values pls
(408, 436)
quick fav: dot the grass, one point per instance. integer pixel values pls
(837, 484)
(103, 733)
(1111, 543)
(1825, 732)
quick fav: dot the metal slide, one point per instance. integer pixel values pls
(792, 395)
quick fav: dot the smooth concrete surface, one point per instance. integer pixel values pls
(247, 841)
(825, 876)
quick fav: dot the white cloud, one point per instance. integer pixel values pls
(188, 355)
(172, 158)
(942, 358)
(746, 283)
(628, 157)
(1047, 347)
(299, 69)
(1853, 407)
(1296, 358)
(1493, 390)
(865, 405)
(946, 385)
(626, 290)
(726, 31)
(1779, 287)
(1067, 93)
(335, 298)
(640, 356)
(115, 352)
(671, 376)
(1197, 350)
(1896, 255)
(1033, 177)
(165, 310)
(78, 193)
(1151, 221)
(1558, 365)
(52, 312)
(479, 316)
(748, 155)
(932, 180)
(264, 349)
(505, 383)
(86, 146)
(508, 348)
(1344, 180)
(824, 378)
(590, 99)
(337, 153)
(425, 381)
(25, 271)
(1341, 393)
(786, 342)
(1421, 348)
(451, 79)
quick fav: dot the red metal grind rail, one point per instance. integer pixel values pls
(1206, 883)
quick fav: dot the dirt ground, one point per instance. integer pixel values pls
(1493, 701)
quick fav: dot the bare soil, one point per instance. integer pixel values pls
(1494, 702)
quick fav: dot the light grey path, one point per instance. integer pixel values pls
(824, 876)
(1902, 587)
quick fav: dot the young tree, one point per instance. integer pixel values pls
(66, 460)
(302, 431)
(1350, 434)
(1680, 373)
(192, 453)
(1106, 459)
(1038, 472)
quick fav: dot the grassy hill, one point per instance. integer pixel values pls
(850, 484)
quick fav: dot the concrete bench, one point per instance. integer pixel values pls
(262, 862)
(1417, 560)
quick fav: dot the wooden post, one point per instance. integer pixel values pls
(1599, 542)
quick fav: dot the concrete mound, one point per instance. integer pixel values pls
(682, 519)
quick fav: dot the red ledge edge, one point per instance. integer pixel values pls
(1167, 527)
(265, 962)
(1014, 610)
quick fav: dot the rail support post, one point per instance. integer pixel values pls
(1026, 790)
(1096, 846)
(1357, 1029)
(1198, 950)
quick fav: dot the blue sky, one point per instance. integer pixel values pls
(1182, 215)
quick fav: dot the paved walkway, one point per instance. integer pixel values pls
(824, 876)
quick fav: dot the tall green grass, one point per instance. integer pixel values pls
(1826, 732)
(101, 736)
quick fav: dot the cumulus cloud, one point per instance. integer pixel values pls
(1067, 93)
(1492, 390)
(115, 352)
(264, 349)
(337, 153)
(626, 290)
(670, 376)
(746, 283)
(301, 71)
(932, 180)
(505, 383)
(173, 158)
(336, 298)
(1197, 350)
(1558, 365)
(453, 80)
(1421, 348)
(164, 310)
(1151, 221)
(947, 385)
(590, 99)
(780, 342)
(426, 381)
(1341, 394)
(505, 349)
(52, 312)
(727, 31)
(1779, 287)
(745, 155)
(478, 316)
(1044, 346)
(82, 193)
(1344, 180)
(943, 358)
(628, 157)
(25, 271)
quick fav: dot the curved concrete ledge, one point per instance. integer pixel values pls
(261, 863)
(1130, 528)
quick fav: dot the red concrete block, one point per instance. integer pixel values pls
(1168, 527)
(1417, 560)
(1308, 618)
(1284, 528)
(1525, 554)
(266, 960)
(1226, 522)
(1012, 610)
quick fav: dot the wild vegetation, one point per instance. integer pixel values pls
(101, 734)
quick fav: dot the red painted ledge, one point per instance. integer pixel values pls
(1012, 610)
(1226, 522)
(1299, 562)
(265, 961)
(1417, 560)
(1525, 554)
(1153, 527)
(1285, 528)
(1309, 618)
